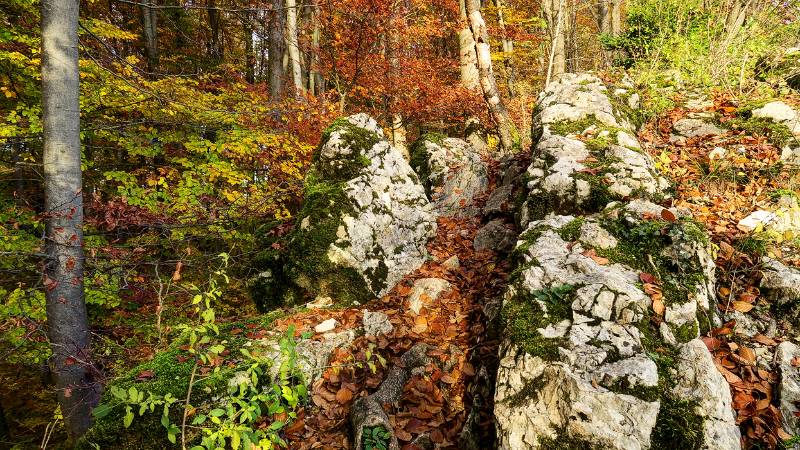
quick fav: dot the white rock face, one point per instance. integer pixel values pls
(577, 361)
(456, 174)
(388, 222)
(789, 385)
(568, 175)
(699, 380)
(780, 283)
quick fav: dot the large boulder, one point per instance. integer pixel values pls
(453, 173)
(364, 224)
(787, 358)
(601, 320)
(585, 154)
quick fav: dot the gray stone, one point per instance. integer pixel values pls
(780, 112)
(424, 291)
(699, 380)
(376, 323)
(312, 356)
(495, 236)
(452, 263)
(692, 127)
(780, 283)
(500, 200)
(789, 385)
(454, 174)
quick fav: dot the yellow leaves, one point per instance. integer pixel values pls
(8, 92)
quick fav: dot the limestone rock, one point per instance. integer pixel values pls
(453, 173)
(789, 385)
(366, 221)
(495, 236)
(424, 291)
(780, 112)
(325, 326)
(585, 154)
(312, 356)
(699, 380)
(780, 283)
(693, 127)
(376, 323)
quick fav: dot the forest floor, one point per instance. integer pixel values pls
(437, 400)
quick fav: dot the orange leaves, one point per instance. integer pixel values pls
(652, 287)
(595, 257)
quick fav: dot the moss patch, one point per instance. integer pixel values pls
(420, 158)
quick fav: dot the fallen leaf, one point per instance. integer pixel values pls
(658, 307)
(741, 306)
(668, 215)
(145, 375)
(344, 395)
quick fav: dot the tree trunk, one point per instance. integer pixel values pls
(507, 46)
(553, 12)
(249, 55)
(276, 49)
(616, 17)
(216, 49)
(315, 84)
(509, 137)
(292, 46)
(67, 323)
(468, 59)
(150, 33)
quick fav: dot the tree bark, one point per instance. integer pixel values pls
(276, 49)
(292, 46)
(68, 327)
(553, 12)
(509, 136)
(315, 82)
(468, 59)
(249, 55)
(216, 49)
(150, 33)
(616, 17)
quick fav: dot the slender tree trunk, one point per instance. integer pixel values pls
(293, 47)
(553, 12)
(467, 57)
(150, 33)
(509, 136)
(249, 55)
(216, 49)
(276, 49)
(507, 45)
(67, 323)
(470, 78)
(399, 139)
(616, 17)
(19, 174)
(314, 77)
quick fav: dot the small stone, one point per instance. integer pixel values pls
(495, 236)
(789, 385)
(756, 219)
(376, 323)
(326, 326)
(696, 127)
(320, 302)
(452, 263)
(717, 153)
(424, 291)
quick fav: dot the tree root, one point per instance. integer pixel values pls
(368, 413)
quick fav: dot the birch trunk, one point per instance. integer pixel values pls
(467, 57)
(553, 12)
(293, 48)
(509, 137)
(67, 323)
(507, 46)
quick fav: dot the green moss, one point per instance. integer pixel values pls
(567, 127)
(685, 332)
(777, 133)
(526, 312)
(678, 426)
(571, 231)
(420, 158)
(565, 442)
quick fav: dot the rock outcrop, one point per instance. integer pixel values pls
(585, 153)
(602, 316)
(452, 172)
(364, 224)
(787, 358)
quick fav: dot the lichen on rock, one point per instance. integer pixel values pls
(364, 223)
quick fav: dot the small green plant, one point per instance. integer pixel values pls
(554, 295)
(253, 410)
(376, 438)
